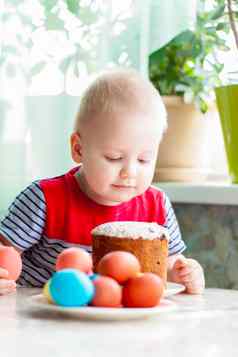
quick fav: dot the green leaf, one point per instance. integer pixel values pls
(73, 6)
(217, 13)
(89, 17)
(222, 26)
(218, 67)
(184, 38)
(203, 106)
(48, 4)
(53, 22)
(211, 30)
(37, 68)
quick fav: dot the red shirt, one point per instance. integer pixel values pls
(71, 215)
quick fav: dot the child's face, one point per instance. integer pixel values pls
(118, 154)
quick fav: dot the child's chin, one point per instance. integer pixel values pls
(120, 198)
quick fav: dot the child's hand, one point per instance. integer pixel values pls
(189, 273)
(6, 286)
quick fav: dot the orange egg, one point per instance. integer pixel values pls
(108, 293)
(143, 291)
(10, 260)
(119, 265)
(74, 258)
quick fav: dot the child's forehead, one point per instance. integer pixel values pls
(123, 130)
(126, 118)
(120, 141)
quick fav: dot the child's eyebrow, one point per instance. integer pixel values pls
(108, 149)
(146, 152)
(121, 151)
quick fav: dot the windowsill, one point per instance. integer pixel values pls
(206, 193)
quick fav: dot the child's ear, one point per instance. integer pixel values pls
(76, 149)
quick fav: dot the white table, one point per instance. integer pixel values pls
(200, 326)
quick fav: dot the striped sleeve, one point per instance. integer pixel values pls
(24, 223)
(176, 244)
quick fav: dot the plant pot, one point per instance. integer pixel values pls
(227, 103)
(185, 149)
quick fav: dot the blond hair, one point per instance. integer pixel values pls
(119, 89)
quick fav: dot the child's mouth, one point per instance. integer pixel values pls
(123, 187)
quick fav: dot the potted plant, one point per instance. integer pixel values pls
(227, 97)
(185, 71)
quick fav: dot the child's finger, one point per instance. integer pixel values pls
(185, 279)
(190, 274)
(3, 273)
(192, 270)
(184, 272)
(194, 282)
(194, 288)
(7, 284)
(7, 291)
(180, 263)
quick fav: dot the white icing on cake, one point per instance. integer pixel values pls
(134, 230)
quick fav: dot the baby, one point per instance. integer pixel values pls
(115, 142)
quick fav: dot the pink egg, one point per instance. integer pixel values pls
(119, 265)
(145, 290)
(10, 260)
(74, 258)
(108, 293)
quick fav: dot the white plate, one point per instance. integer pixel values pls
(39, 302)
(101, 313)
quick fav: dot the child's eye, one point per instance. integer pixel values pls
(113, 158)
(143, 161)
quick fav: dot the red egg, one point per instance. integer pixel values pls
(119, 265)
(143, 291)
(74, 258)
(10, 260)
(108, 293)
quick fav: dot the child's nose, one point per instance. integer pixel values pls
(128, 172)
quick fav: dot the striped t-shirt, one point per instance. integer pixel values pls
(24, 226)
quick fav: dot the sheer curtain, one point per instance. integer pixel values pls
(56, 47)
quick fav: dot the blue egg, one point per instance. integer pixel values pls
(72, 288)
(93, 276)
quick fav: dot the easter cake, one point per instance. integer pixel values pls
(147, 241)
